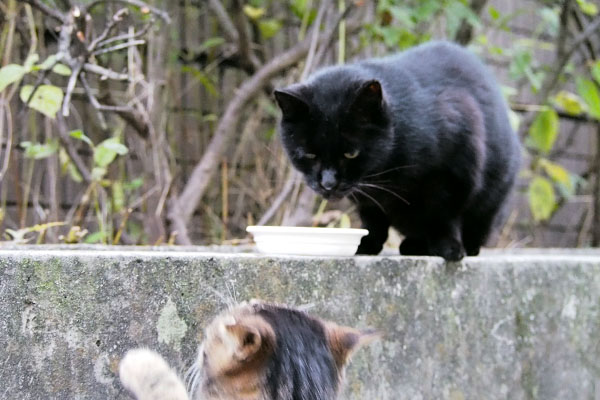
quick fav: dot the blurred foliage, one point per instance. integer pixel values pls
(393, 25)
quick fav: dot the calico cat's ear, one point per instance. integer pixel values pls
(344, 341)
(368, 101)
(292, 106)
(248, 336)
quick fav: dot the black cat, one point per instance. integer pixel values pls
(420, 141)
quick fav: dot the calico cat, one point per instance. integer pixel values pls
(419, 141)
(254, 351)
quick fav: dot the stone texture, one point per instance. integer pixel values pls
(522, 326)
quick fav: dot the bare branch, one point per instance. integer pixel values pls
(127, 36)
(76, 69)
(119, 47)
(49, 11)
(563, 56)
(224, 20)
(182, 207)
(104, 72)
(118, 17)
(136, 3)
(71, 151)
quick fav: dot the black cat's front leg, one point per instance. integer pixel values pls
(377, 223)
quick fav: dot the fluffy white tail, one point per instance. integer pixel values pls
(148, 377)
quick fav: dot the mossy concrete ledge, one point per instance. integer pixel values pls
(499, 326)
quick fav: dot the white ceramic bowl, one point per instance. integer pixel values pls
(306, 241)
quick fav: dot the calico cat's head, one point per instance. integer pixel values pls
(335, 129)
(261, 351)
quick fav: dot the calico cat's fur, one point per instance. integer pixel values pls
(255, 351)
(420, 141)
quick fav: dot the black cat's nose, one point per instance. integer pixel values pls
(328, 179)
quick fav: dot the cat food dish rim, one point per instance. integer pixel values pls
(311, 241)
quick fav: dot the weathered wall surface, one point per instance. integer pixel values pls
(494, 327)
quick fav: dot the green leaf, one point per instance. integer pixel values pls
(494, 13)
(544, 130)
(38, 151)
(212, 42)
(98, 173)
(114, 145)
(570, 103)
(134, 184)
(588, 7)
(595, 71)
(345, 221)
(9, 74)
(203, 78)
(48, 62)
(30, 61)
(67, 166)
(95, 237)
(253, 13)
(78, 134)
(118, 196)
(106, 151)
(589, 91)
(542, 200)
(47, 99)
(62, 69)
(269, 27)
(558, 174)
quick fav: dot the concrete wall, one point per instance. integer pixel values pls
(499, 326)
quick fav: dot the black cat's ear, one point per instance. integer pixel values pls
(292, 106)
(368, 102)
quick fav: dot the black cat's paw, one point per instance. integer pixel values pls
(368, 247)
(413, 247)
(472, 251)
(449, 249)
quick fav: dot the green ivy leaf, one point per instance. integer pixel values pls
(106, 151)
(95, 237)
(118, 196)
(570, 103)
(78, 134)
(542, 200)
(558, 174)
(203, 78)
(588, 7)
(98, 173)
(38, 151)
(212, 42)
(62, 69)
(494, 13)
(269, 27)
(30, 61)
(589, 92)
(11, 73)
(134, 184)
(345, 221)
(544, 130)
(67, 166)
(596, 71)
(254, 13)
(47, 99)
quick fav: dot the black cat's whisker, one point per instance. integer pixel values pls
(385, 190)
(371, 198)
(388, 170)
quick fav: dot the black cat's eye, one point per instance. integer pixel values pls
(310, 156)
(352, 154)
